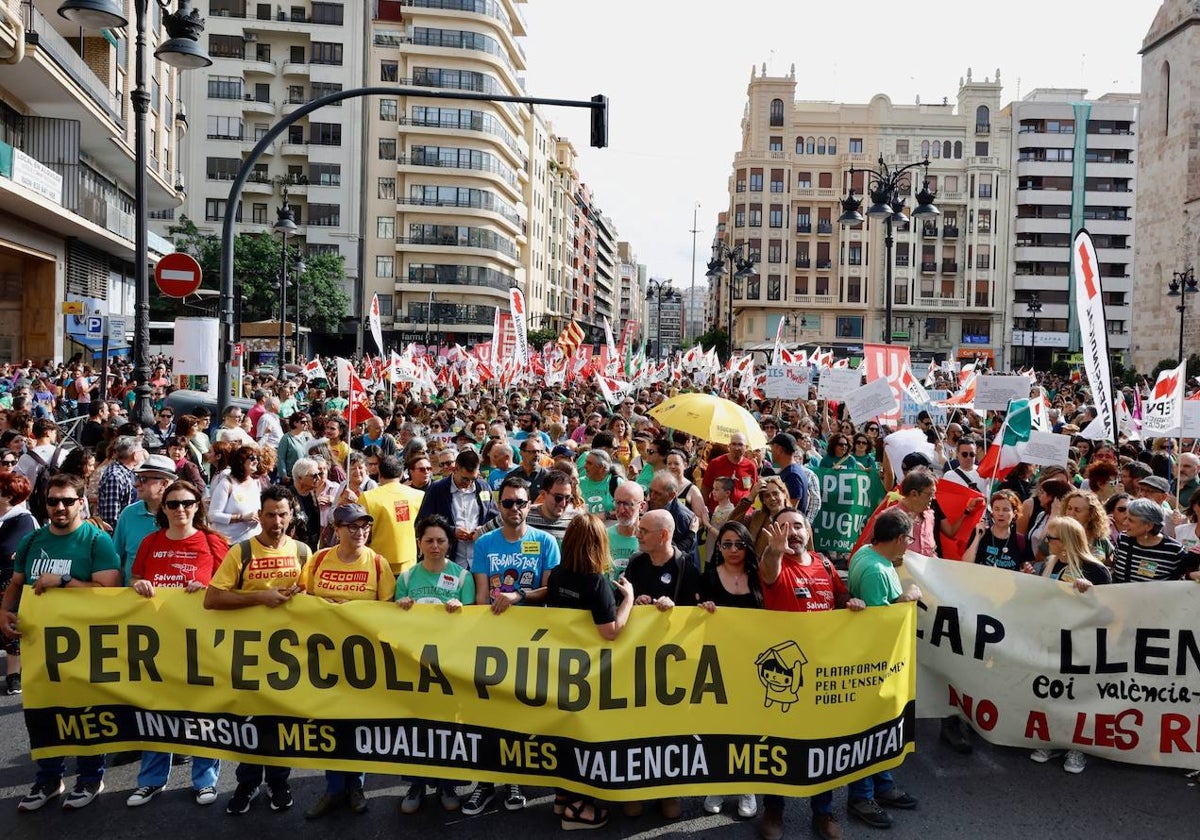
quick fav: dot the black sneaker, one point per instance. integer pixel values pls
(40, 794)
(13, 684)
(82, 795)
(479, 799)
(514, 800)
(243, 795)
(281, 797)
(896, 798)
(358, 801)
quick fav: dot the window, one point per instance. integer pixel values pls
(856, 145)
(799, 145)
(385, 305)
(389, 71)
(774, 287)
(224, 128)
(775, 219)
(832, 147)
(825, 180)
(258, 214)
(804, 180)
(325, 52)
(389, 109)
(386, 189)
(850, 326)
(314, 250)
(385, 268)
(325, 174)
(776, 112)
(327, 13)
(222, 169)
(901, 147)
(226, 46)
(775, 144)
(936, 149)
(985, 186)
(983, 119)
(924, 148)
(810, 146)
(324, 215)
(387, 148)
(756, 180)
(214, 210)
(320, 89)
(820, 145)
(385, 227)
(803, 220)
(976, 331)
(325, 134)
(739, 216)
(753, 288)
(774, 251)
(755, 215)
(296, 55)
(295, 94)
(224, 87)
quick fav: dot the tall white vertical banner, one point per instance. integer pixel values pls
(516, 303)
(376, 325)
(1089, 309)
(1162, 414)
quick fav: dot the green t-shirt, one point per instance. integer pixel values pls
(597, 496)
(621, 548)
(645, 476)
(81, 553)
(336, 404)
(426, 587)
(873, 578)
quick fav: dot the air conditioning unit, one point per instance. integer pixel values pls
(250, 37)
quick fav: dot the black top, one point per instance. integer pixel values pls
(576, 591)
(712, 589)
(657, 581)
(1010, 553)
(11, 532)
(1095, 572)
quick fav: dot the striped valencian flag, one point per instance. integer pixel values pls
(571, 338)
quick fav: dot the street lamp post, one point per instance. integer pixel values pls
(887, 190)
(181, 50)
(692, 300)
(799, 324)
(735, 263)
(285, 226)
(300, 268)
(1034, 308)
(660, 290)
(1183, 283)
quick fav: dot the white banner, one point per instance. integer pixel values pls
(375, 324)
(516, 303)
(993, 393)
(1089, 309)
(836, 383)
(1162, 414)
(872, 400)
(787, 382)
(1033, 663)
(1191, 418)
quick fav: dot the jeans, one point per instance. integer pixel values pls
(253, 774)
(338, 782)
(822, 803)
(156, 767)
(867, 788)
(51, 770)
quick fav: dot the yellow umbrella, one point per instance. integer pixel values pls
(709, 418)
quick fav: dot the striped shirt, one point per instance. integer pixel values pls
(1134, 562)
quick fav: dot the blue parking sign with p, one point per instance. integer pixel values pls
(95, 326)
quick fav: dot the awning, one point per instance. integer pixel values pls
(95, 346)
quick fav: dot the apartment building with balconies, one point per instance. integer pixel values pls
(67, 223)
(796, 163)
(1074, 164)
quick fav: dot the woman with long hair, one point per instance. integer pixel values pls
(235, 500)
(185, 467)
(82, 462)
(183, 554)
(188, 427)
(579, 583)
(1088, 511)
(838, 455)
(689, 494)
(772, 495)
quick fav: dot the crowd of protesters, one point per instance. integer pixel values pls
(439, 497)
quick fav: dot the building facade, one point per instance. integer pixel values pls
(797, 161)
(1074, 165)
(67, 222)
(664, 324)
(1168, 176)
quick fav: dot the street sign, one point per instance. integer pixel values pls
(177, 275)
(95, 326)
(116, 328)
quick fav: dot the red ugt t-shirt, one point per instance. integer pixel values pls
(175, 563)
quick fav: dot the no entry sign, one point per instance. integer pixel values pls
(177, 275)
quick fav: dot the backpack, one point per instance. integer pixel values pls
(247, 554)
(41, 482)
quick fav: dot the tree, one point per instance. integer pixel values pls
(717, 338)
(257, 260)
(538, 338)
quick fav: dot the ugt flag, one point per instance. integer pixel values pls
(1162, 414)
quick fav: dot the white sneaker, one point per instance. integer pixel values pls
(712, 804)
(747, 806)
(1075, 761)
(1042, 756)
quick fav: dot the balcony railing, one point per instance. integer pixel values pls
(929, 231)
(824, 227)
(490, 207)
(824, 265)
(43, 35)
(803, 262)
(949, 267)
(928, 267)
(949, 232)
(902, 260)
(803, 228)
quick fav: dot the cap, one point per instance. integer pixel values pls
(643, 435)
(1156, 482)
(785, 442)
(345, 514)
(915, 459)
(562, 451)
(463, 434)
(158, 466)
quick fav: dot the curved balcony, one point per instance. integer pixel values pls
(250, 105)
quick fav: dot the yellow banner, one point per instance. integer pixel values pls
(683, 703)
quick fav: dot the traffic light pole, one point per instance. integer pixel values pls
(598, 105)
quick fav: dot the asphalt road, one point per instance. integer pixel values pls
(995, 793)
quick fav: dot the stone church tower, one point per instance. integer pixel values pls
(1167, 213)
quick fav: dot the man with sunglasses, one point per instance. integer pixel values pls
(511, 565)
(137, 521)
(68, 552)
(393, 507)
(964, 471)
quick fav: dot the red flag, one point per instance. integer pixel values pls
(952, 498)
(358, 410)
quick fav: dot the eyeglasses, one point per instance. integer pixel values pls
(839, 444)
(962, 455)
(144, 479)
(176, 504)
(445, 463)
(61, 501)
(358, 527)
(514, 503)
(561, 498)
(730, 546)
(909, 539)
(252, 458)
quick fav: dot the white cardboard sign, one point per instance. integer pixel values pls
(787, 382)
(1046, 448)
(871, 400)
(836, 383)
(995, 392)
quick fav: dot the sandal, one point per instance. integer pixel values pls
(561, 801)
(573, 816)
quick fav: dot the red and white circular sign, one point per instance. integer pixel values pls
(177, 275)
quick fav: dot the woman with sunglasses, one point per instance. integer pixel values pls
(235, 500)
(1117, 508)
(182, 554)
(838, 455)
(864, 451)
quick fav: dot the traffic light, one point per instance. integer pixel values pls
(599, 121)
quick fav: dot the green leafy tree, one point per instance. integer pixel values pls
(257, 260)
(538, 338)
(717, 338)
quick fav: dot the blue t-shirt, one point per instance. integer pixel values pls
(520, 564)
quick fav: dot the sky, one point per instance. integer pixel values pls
(676, 73)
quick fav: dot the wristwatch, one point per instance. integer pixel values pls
(63, 580)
